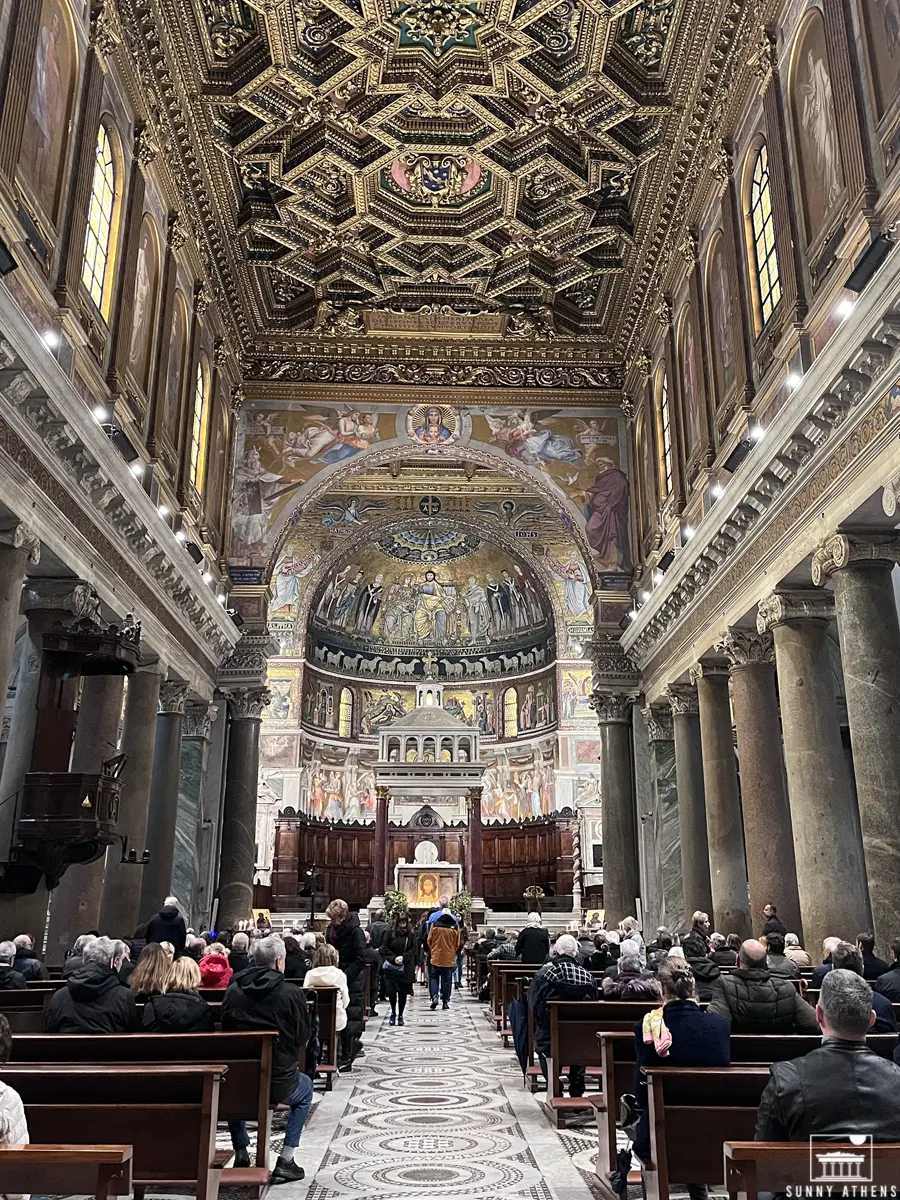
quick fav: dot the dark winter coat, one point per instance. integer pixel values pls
(695, 945)
(600, 960)
(706, 975)
(753, 1001)
(533, 944)
(724, 958)
(28, 964)
(874, 967)
(774, 925)
(168, 926)
(378, 931)
(562, 978)
(699, 1039)
(11, 978)
(885, 1021)
(295, 965)
(841, 1088)
(399, 943)
(259, 998)
(177, 1012)
(780, 964)
(350, 942)
(94, 1000)
(239, 961)
(888, 984)
(631, 987)
(820, 972)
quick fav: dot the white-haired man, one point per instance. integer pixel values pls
(168, 926)
(239, 958)
(94, 999)
(27, 962)
(9, 976)
(829, 945)
(562, 978)
(259, 998)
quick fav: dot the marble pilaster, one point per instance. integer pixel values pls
(211, 804)
(156, 881)
(475, 854)
(621, 877)
(696, 884)
(828, 850)
(768, 836)
(728, 871)
(658, 826)
(861, 567)
(195, 738)
(120, 905)
(18, 547)
(237, 859)
(75, 904)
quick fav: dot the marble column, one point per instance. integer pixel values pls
(75, 904)
(658, 829)
(768, 836)
(237, 859)
(195, 737)
(728, 871)
(382, 799)
(120, 904)
(860, 566)
(156, 876)
(18, 548)
(475, 849)
(621, 877)
(831, 878)
(691, 800)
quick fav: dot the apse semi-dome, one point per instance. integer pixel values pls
(428, 598)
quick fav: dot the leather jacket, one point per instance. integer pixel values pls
(840, 1089)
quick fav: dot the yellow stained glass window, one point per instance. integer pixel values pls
(665, 434)
(510, 713)
(199, 427)
(765, 252)
(98, 234)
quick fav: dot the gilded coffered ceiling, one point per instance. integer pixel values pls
(431, 171)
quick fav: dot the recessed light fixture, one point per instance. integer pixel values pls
(101, 413)
(136, 468)
(207, 576)
(221, 597)
(687, 532)
(658, 576)
(181, 536)
(632, 614)
(50, 338)
(163, 510)
(717, 491)
(844, 308)
(757, 432)
(645, 596)
(794, 380)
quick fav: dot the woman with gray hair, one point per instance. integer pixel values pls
(533, 943)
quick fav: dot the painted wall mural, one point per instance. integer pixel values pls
(576, 685)
(520, 786)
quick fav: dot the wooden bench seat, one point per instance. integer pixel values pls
(168, 1113)
(751, 1167)
(100, 1171)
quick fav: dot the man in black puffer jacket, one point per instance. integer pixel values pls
(27, 962)
(94, 999)
(347, 938)
(753, 1001)
(168, 926)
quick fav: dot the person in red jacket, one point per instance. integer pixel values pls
(214, 969)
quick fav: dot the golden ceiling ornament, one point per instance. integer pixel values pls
(178, 230)
(688, 247)
(333, 320)
(106, 29)
(642, 363)
(764, 57)
(535, 325)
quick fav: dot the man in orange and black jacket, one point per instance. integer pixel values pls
(443, 943)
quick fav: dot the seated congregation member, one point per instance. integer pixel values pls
(505, 949)
(696, 943)
(27, 962)
(259, 998)
(347, 938)
(777, 960)
(562, 978)
(487, 941)
(168, 926)
(151, 972)
(888, 984)
(627, 949)
(179, 1008)
(752, 1000)
(842, 1087)
(630, 930)
(873, 966)
(656, 944)
(630, 983)
(215, 971)
(849, 958)
(822, 970)
(296, 964)
(443, 943)
(720, 952)
(9, 976)
(94, 999)
(325, 972)
(13, 1126)
(74, 957)
(680, 1034)
(398, 959)
(533, 943)
(239, 958)
(795, 952)
(600, 959)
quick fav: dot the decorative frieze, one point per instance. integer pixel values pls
(803, 604)
(846, 549)
(746, 648)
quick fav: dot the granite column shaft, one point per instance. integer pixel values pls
(691, 801)
(475, 853)
(237, 860)
(621, 873)
(156, 876)
(382, 799)
(195, 736)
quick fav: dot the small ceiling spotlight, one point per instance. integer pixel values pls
(794, 380)
(51, 339)
(757, 432)
(658, 576)
(181, 536)
(163, 510)
(844, 308)
(136, 468)
(645, 596)
(688, 532)
(717, 491)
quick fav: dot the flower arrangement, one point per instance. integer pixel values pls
(461, 907)
(395, 904)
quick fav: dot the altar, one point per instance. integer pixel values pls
(426, 879)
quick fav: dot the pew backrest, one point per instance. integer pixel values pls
(101, 1171)
(751, 1167)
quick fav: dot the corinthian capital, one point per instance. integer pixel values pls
(683, 699)
(659, 724)
(805, 604)
(847, 549)
(21, 537)
(612, 708)
(247, 704)
(747, 648)
(198, 720)
(173, 696)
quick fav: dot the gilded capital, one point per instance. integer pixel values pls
(173, 696)
(659, 723)
(804, 604)
(683, 699)
(747, 648)
(848, 549)
(383, 793)
(612, 708)
(247, 704)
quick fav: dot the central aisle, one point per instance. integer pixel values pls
(436, 1109)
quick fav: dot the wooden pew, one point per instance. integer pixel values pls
(693, 1112)
(100, 1171)
(751, 1167)
(167, 1113)
(247, 1057)
(326, 1007)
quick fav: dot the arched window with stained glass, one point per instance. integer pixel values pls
(765, 269)
(97, 259)
(200, 426)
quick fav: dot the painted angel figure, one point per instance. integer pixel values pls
(525, 435)
(819, 122)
